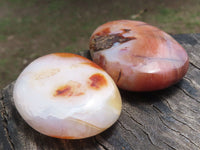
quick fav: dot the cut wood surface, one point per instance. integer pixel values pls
(166, 119)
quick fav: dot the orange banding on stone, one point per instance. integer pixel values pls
(65, 54)
(92, 65)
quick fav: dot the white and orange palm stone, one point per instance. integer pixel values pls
(138, 56)
(67, 96)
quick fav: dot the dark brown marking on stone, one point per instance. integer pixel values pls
(72, 88)
(126, 30)
(63, 91)
(106, 41)
(119, 76)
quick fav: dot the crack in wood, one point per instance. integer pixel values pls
(186, 93)
(167, 102)
(171, 116)
(150, 140)
(191, 81)
(122, 126)
(174, 129)
(4, 116)
(180, 122)
(186, 116)
(169, 106)
(100, 144)
(125, 138)
(184, 124)
(130, 116)
(157, 109)
(168, 126)
(169, 146)
(190, 140)
(194, 111)
(179, 133)
(195, 66)
(147, 134)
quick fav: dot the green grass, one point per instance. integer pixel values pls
(3, 62)
(2, 37)
(166, 15)
(54, 6)
(30, 29)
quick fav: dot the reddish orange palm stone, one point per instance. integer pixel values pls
(138, 56)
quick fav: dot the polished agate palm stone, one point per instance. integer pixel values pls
(138, 56)
(67, 96)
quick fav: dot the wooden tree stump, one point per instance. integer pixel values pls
(166, 119)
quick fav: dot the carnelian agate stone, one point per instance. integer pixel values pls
(67, 96)
(138, 56)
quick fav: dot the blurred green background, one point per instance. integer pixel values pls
(32, 28)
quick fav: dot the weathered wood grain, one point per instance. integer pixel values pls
(166, 119)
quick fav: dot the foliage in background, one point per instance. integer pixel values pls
(29, 29)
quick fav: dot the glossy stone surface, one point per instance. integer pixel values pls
(138, 56)
(67, 96)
